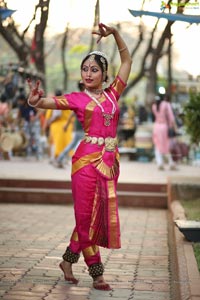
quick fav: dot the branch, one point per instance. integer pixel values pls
(140, 40)
(143, 68)
(95, 23)
(63, 47)
(33, 18)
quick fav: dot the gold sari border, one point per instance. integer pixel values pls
(74, 236)
(61, 102)
(90, 251)
(114, 234)
(83, 161)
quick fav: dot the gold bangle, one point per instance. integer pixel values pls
(120, 50)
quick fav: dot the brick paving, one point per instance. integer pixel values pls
(34, 237)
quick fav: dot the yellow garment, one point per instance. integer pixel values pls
(57, 135)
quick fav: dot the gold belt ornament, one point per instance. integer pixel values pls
(109, 142)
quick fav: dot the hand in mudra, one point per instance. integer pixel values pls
(103, 31)
(35, 92)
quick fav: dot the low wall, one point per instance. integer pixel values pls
(186, 281)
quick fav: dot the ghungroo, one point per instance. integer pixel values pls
(96, 270)
(70, 256)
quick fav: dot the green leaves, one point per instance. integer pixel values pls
(192, 117)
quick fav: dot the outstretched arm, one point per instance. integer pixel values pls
(126, 60)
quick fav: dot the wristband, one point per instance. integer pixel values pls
(31, 104)
(120, 50)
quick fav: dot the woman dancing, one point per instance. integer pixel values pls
(95, 164)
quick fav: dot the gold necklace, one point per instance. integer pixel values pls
(97, 91)
(107, 116)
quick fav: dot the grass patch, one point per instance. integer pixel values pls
(192, 209)
(192, 212)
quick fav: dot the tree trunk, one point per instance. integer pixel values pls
(95, 23)
(38, 53)
(155, 53)
(21, 46)
(63, 52)
(170, 76)
(152, 74)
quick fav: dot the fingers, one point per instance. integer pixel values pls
(102, 29)
(37, 84)
(102, 26)
(100, 36)
(29, 83)
(105, 30)
(98, 40)
(41, 93)
(35, 89)
(95, 32)
(102, 32)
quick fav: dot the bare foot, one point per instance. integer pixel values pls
(100, 284)
(66, 267)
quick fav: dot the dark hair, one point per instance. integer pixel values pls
(97, 58)
(158, 99)
(21, 97)
(81, 86)
(3, 98)
(58, 92)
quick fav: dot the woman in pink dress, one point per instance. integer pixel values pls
(95, 164)
(164, 119)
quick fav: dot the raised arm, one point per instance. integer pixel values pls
(35, 98)
(126, 60)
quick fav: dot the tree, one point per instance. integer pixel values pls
(95, 23)
(65, 37)
(28, 51)
(152, 55)
(63, 57)
(192, 118)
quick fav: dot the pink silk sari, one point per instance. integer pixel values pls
(95, 173)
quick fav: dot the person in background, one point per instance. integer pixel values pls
(142, 114)
(78, 135)
(4, 123)
(4, 110)
(54, 123)
(163, 120)
(95, 164)
(28, 119)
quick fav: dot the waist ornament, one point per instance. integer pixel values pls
(109, 142)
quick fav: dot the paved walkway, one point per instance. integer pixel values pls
(131, 171)
(34, 237)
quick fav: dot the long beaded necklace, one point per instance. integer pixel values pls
(107, 116)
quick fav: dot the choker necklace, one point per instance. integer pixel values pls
(107, 116)
(97, 91)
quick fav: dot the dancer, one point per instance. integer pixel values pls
(95, 164)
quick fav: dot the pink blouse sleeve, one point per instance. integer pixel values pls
(117, 87)
(67, 101)
(61, 102)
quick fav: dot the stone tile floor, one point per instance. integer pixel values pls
(34, 237)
